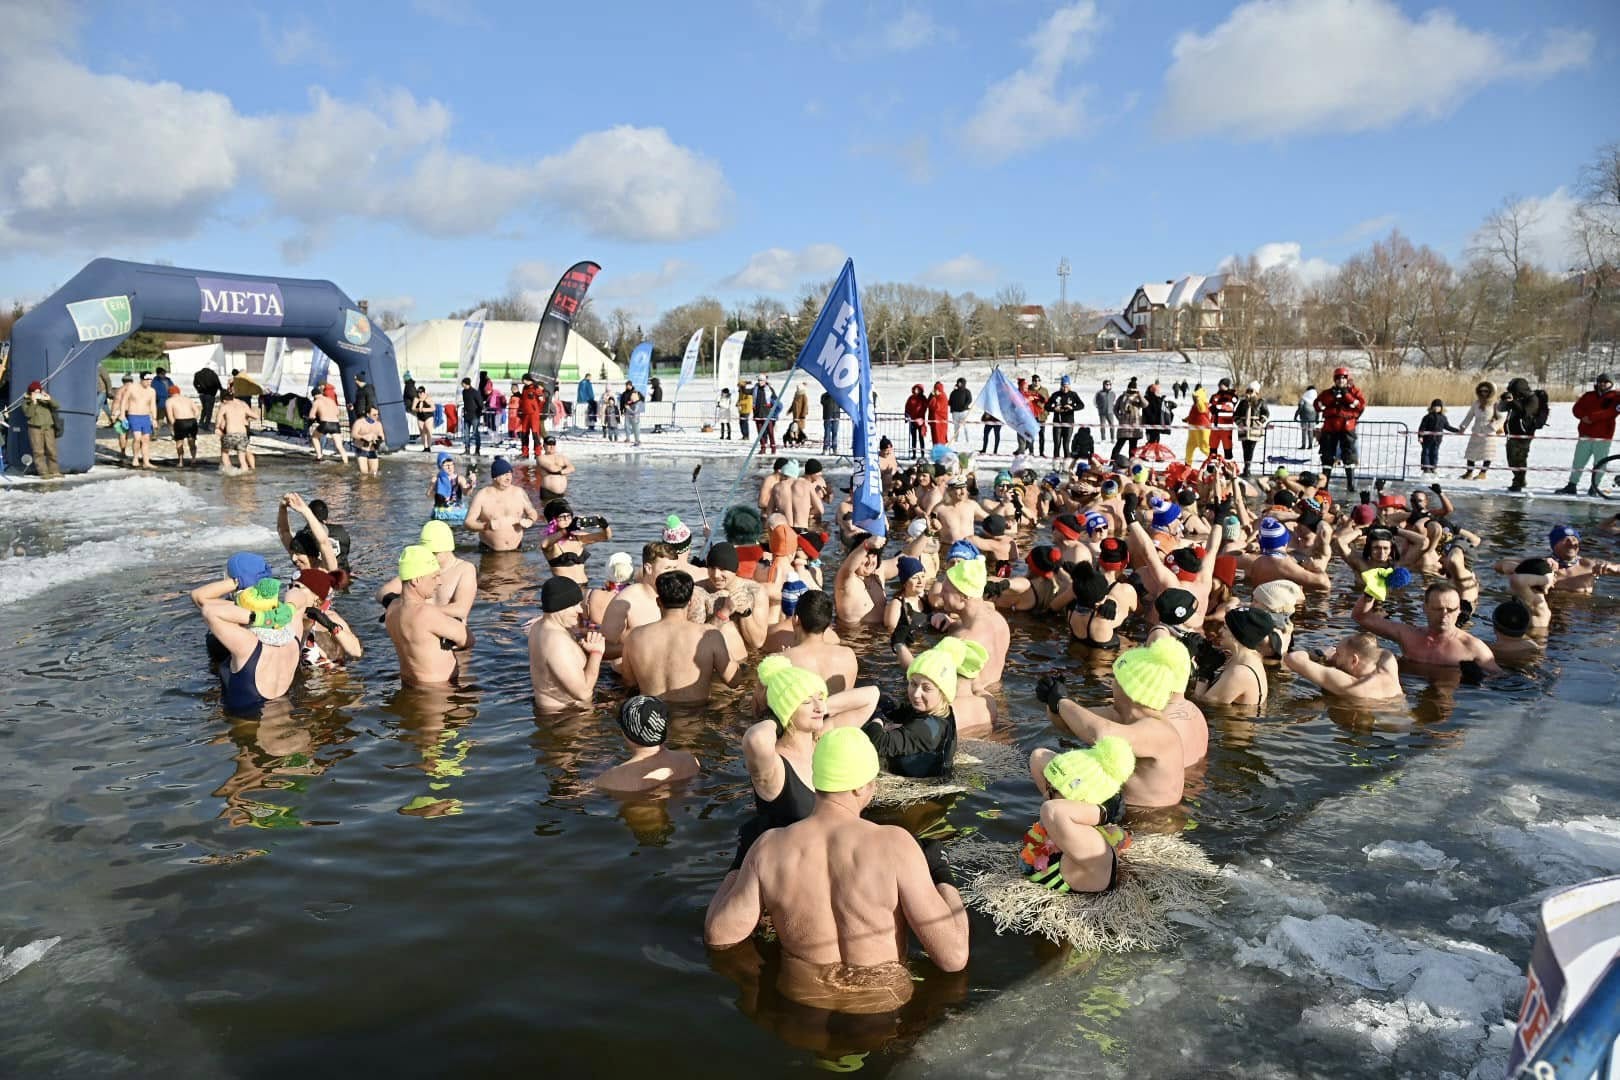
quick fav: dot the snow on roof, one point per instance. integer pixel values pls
(1155, 292)
(1185, 291)
(1102, 323)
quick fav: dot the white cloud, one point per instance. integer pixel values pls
(911, 29)
(1283, 67)
(1545, 238)
(1373, 226)
(963, 270)
(778, 269)
(1287, 254)
(639, 283)
(1028, 107)
(92, 159)
(911, 156)
(634, 183)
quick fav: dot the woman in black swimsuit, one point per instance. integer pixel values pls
(1100, 605)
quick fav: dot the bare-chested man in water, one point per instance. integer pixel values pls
(637, 604)
(425, 635)
(1440, 642)
(458, 578)
(957, 515)
(182, 413)
(562, 665)
(814, 646)
(326, 419)
(675, 658)
(235, 432)
(842, 892)
(858, 586)
(798, 498)
(554, 469)
(1356, 668)
(501, 512)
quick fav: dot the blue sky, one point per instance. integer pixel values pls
(438, 151)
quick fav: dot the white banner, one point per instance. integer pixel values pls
(472, 346)
(275, 351)
(728, 367)
(694, 345)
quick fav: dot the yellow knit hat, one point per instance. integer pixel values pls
(968, 576)
(436, 537)
(787, 687)
(845, 759)
(417, 561)
(1093, 775)
(944, 662)
(1150, 673)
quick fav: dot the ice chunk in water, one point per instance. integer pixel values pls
(1563, 852)
(1416, 853)
(23, 578)
(14, 960)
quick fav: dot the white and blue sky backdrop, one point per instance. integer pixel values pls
(428, 152)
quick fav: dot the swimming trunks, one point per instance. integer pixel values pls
(233, 441)
(329, 427)
(369, 453)
(185, 429)
(139, 425)
(241, 688)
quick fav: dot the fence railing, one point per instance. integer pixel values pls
(1381, 447)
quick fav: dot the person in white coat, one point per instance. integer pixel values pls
(725, 412)
(1483, 418)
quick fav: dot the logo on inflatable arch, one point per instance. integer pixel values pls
(258, 303)
(356, 327)
(101, 317)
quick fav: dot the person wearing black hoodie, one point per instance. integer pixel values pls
(961, 401)
(206, 383)
(1526, 413)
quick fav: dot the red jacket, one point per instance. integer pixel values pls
(916, 405)
(938, 406)
(1223, 405)
(1337, 415)
(1596, 412)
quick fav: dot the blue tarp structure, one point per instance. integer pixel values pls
(63, 340)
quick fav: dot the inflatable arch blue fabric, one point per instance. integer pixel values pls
(63, 340)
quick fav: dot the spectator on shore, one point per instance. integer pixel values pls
(40, 414)
(655, 389)
(160, 389)
(800, 411)
(829, 423)
(206, 383)
(585, 394)
(1128, 411)
(745, 411)
(1198, 420)
(1103, 400)
(1596, 410)
(1064, 406)
(961, 402)
(991, 425)
(1158, 416)
(765, 409)
(630, 403)
(1340, 408)
(1037, 405)
(365, 397)
(1250, 415)
(1431, 434)
(939, 412)
(1484, 417)
(917, 421)
(1222, 406)
(724, 410)
(1305, 416)
(1526, 414)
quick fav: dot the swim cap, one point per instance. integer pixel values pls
(443, 457)
(1096, 521)
(500, 467)
(1363, 514)
(844, 760)
(560, 594)
(792, 590)
(1004, 478)
(1250, 626)
(644, 720)
(246, 568)
(1147, 674)
(1093, 775)
(1560, 533)
(792, 469)
(1511, 617)
(437, 536)
(963, 549)
(742, 525)
(1274, 535)
(968, 577)
(1165, 513)
(723, 556)
(1175, 606)
(788, 687)
(1113, 554)
(620, 567)
(1067, 526)
(676, 532)
(1278, 597)
(910, 567)
(995, 525)
(1043, 560)
(417, 561)
(1377, 582)
(916, 528)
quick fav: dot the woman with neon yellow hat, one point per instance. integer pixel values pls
(1144, 678)
(918, 737)
(778, 749)
(1076, 845)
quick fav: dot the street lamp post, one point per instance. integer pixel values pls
(933, 376)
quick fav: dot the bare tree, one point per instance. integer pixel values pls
(1379, 297)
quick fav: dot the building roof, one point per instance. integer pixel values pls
(1097, 326)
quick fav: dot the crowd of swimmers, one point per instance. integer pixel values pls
(1183, 579)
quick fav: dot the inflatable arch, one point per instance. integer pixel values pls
(63, 340)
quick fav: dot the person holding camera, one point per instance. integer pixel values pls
(40, 413)
(1339, 407)
(1526, 412)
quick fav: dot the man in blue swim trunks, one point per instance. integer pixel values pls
(136, 407)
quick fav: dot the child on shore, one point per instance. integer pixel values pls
(1431, 432)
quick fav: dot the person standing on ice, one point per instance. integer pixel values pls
(1596, 410)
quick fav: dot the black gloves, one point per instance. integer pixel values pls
(1366, 498)
(318, 616)
(939, 867)
(591, 523)
(993, 589)
(1131, 502)
(1049, 691)
(1435, 488)
(1208, 661)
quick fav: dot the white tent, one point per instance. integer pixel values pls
(430, 351)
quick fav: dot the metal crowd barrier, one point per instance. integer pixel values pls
(1381, 448)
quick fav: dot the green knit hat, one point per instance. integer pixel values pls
(787, 687)
(1093, 775)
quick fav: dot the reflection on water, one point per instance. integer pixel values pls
(533, 911)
